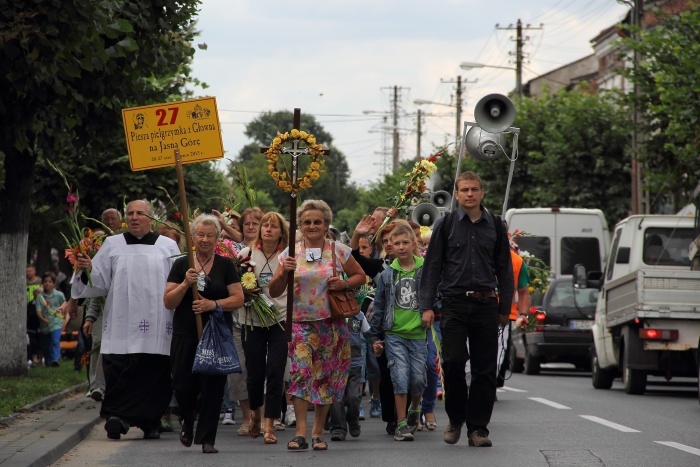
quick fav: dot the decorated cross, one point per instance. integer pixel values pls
(295, 143)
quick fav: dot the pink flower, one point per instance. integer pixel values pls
(71, 198)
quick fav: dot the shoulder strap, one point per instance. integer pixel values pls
(499, 235)
(335, 272)
(447, 221)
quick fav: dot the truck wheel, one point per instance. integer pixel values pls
(532, 364)
(601, 379)
(635, 381)
(516, 364)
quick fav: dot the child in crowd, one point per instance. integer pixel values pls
(396, 312)
(340, 419)
(51, 321)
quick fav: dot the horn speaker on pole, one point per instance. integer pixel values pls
(494, 113)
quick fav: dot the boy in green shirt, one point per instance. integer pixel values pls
(398, 317)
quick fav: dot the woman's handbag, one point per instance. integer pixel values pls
(343, 302)
(216, 353)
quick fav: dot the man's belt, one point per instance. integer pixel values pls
(476, 294)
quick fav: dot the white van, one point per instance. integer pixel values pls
(563, 237)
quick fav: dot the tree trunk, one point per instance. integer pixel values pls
(14, 224)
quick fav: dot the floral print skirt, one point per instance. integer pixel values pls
(320, 355)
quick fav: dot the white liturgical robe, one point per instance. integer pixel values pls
(132, 273)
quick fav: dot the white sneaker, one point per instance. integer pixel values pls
(290, 416)
(228, 419)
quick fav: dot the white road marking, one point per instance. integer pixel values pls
(556, 405)
(680, 446)
(508, 388)
(499, 390)
(610, 424)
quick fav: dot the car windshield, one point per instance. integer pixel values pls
(564, 293)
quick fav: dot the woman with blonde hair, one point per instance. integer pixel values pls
(264, 343)
(320, 347)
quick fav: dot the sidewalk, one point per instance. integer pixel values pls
(46, 430)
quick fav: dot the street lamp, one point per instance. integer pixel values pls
(518, 73)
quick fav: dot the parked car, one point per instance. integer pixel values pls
(561, 332)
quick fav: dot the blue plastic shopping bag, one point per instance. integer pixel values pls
(216, 353)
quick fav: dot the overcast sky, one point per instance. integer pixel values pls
(336, 59)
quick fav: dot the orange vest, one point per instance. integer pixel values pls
(517, 265)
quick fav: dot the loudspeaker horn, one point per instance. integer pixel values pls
(483, 145)
(441, 199)
(494, 113)
(425, 214)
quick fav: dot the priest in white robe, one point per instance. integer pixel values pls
(131, 270)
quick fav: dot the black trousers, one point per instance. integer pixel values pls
(265, 352)
(137, 388)
(188, 387)
(476, 320)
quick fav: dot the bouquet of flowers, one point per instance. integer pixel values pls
(527, 322)
(79, 240)
(255, 300)
(411, 189)
(537, 269)
(226, 248)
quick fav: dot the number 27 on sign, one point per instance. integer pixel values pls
(162, 114)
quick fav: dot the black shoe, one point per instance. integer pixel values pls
(390, 428)
(115, 427)
(338, 436)
(186, 436)
(355, 430)
(151, 434)
(479, 438)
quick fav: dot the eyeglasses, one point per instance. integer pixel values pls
(251, 224)
(316, 222)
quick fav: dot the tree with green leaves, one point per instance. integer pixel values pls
(669, 103)
(333, 186)
(67, 68)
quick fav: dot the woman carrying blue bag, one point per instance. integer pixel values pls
(219, 286)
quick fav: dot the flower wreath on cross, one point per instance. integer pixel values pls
(282, 178)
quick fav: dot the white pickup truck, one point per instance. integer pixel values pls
(647, 319)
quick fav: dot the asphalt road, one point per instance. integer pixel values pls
(552, 419)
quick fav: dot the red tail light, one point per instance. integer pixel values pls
(659, 334)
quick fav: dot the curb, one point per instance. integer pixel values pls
(66, 445)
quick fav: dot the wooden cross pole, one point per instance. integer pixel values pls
(295, 151)
(188, 235)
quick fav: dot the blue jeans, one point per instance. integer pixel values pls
(433, 379)
(406, 362)
(51, 346)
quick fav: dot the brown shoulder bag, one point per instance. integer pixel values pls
(342, 302)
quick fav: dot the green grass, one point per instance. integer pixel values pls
(16, 392)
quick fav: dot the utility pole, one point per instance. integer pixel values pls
(418, 131)
(396, 96)
(458, 105)
(638, 11)
(519, 56)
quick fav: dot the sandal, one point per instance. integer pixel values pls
(186, 436)
(300, 442)
(254, 428)
(244, 430)
(279, 426)
(269, 437)
(431, 425)
(319, 444)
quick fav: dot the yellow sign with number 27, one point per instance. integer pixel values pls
(154, 132)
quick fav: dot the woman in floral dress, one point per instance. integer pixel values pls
(320, 349)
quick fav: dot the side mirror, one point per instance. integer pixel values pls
(587, 280)
(579, 276)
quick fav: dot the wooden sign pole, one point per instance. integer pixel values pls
(188, 235)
